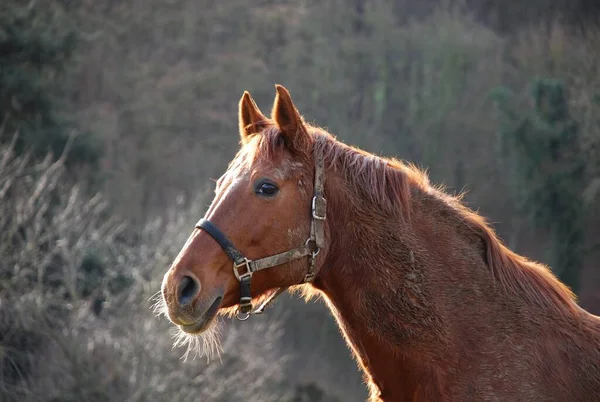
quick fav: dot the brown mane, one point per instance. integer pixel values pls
(390, 183)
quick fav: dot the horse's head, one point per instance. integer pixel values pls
(264, 228)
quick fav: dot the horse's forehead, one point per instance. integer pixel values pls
(281, 169)
(278, 166)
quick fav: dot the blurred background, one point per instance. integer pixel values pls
(115, 115)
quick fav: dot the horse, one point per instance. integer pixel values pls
(432, 304)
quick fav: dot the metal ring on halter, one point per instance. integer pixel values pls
(314, 253)
(242, 316)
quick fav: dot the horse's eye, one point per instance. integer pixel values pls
(266, 188)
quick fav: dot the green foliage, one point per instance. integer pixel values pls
(548, 173)
(36, 47)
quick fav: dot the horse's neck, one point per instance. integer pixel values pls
(391, 291)
(378, 263)
(423, 312)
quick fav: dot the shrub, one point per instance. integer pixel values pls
(75, 319)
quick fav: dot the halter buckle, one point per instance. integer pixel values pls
(249, 270)
(319, 207)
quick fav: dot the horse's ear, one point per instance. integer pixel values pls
(251, 120)
(288, 120)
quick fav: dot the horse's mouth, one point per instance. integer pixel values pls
(204, 322)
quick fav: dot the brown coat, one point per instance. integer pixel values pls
(432, 304)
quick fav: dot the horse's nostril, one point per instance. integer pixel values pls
(187, 290)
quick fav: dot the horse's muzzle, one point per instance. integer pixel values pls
(203, 323)
(186, 307)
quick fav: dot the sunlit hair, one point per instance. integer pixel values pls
(206, 344)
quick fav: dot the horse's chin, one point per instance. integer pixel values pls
(202, 337)
(203, 342)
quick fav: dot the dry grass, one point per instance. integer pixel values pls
(59, 341)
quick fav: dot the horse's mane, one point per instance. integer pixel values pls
(389, 183)
(516, 273)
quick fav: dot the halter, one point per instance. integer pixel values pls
(243, 268)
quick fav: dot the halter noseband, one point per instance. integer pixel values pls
(243, 268)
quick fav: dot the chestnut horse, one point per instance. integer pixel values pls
(432, 304)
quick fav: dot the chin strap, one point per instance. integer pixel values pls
(243, 268)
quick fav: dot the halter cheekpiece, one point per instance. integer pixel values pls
(243, 268)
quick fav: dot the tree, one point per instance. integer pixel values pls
(36, 48)
(542, 149)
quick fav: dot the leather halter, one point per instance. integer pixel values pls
(243, 268)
